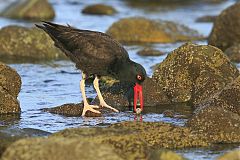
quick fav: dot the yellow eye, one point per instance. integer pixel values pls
(139, 77)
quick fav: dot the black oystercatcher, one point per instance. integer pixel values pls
(97, 54)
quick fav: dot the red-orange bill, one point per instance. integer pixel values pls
(138, 95)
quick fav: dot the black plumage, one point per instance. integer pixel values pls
(94, 53)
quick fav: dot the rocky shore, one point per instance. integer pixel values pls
(202, 77)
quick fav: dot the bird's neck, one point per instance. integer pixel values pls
(123, 70)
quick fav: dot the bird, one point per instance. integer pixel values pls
(95, 54)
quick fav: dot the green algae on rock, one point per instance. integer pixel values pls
(99, 9)
(29, 10)
(59, 148)
(220, 116)
(125, 140)
(29, 43)
(10, 85)
(10, 80)
(226, 28)
(193, 73)
(142, 30)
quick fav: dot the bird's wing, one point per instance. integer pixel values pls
(84, 46)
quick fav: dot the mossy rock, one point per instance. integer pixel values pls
(30, 10)
(226, 28)
(221, 114)
(142, 30)
(193, 73)
(58, 148)
(10, 80)
(233, 53)
(27, 43)
(99, 9)
(10, 85)
(149, 52)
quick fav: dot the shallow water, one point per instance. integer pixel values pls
(53, 83)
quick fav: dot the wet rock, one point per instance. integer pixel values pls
(29, 43)
(233, 155)
(120, 95)
(193, 73)
(149, 52)
(226, 28)
(63, 148)
(142, 30)
(158, 135)
(165, 155)
(99, 9)
(169, 113)
(29, 10)
(71, 109)
(206, 19)
(221, 114)
(233, 53)
(126, 140)
(10, 85)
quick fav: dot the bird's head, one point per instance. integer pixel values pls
(139, 75)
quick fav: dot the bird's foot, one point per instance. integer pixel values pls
(88, 107)
(104, 104)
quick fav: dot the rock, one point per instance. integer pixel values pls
(10, 80)
(233, 155)
(99, 9)
(206, 19)
(226, 28)
(125, 140)
(30, 43)
(152, 4)
(120, 95)
(193, 73)
(10, 85)
(165, 155)
(221, 114)
(10, 135)
(71, 109)
(150, 52)
(233, 53)
(29, 10)
(59, 148)
(142, 30)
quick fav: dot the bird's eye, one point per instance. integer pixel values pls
(139, 77)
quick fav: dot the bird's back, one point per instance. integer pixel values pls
(93, 52)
